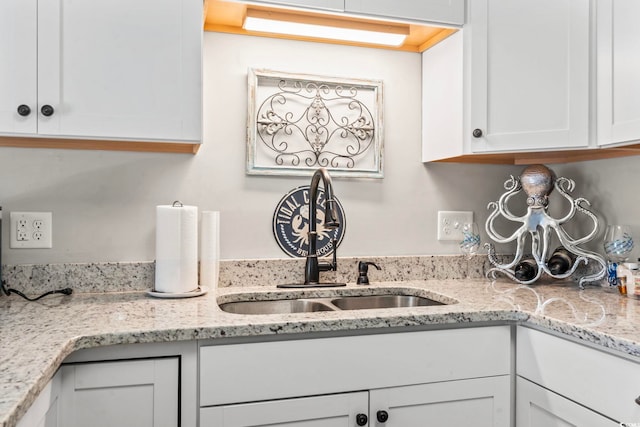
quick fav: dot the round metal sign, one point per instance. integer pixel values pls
(291, 224)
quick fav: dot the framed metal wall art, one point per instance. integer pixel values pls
(298, 123)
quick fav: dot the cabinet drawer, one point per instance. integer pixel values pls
(278, 369)
(606, 383)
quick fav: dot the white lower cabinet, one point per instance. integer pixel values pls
(336, 410)
(482, 402)
(44, 411)
(538, 407)
(562, 380)
(444, 377)
(393, 380)
(135, 393)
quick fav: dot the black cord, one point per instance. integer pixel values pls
(8, 291)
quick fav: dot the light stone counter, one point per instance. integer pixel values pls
(36, 337)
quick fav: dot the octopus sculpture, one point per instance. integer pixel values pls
(538, 181)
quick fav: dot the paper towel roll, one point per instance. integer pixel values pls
(210, 249)
(176, 249)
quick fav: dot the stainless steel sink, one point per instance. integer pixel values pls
(275, 306)
(382, 301)
(330, 302)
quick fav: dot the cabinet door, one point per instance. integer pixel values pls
(120, 69)
(137, 393)
(539, 407)
(44, 410)
(440, 11)
(442, 99)
(481, 402)
(18, 48)
(565, 367)
(336, 410)
(618, 102)
(529, 74)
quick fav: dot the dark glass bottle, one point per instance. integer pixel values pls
(561, 261)
(526, 269)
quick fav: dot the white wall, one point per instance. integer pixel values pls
(103, 203)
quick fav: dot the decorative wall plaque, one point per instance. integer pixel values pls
(298, 123)
(291, 224)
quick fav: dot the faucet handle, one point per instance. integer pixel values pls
(334, 243)
(333, 265)
(363, 269)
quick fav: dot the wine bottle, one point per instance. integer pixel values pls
(526, 270)
(560, 261)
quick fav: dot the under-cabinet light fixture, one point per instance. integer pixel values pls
(321, 27)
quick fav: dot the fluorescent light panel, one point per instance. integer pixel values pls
(324, 28)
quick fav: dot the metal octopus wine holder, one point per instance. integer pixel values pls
(538, 181)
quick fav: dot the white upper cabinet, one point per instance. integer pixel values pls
(18, 66)
(529, 74)
(618, 97)
(449, 12)
(437, 11)
(515, 80)
(335, 5)
(443, 99)
(115, 70)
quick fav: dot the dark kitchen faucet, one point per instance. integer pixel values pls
(313, 267)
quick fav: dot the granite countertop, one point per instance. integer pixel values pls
(35, 337)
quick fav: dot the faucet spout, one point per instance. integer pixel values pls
(313, 267)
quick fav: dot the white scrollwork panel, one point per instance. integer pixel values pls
(297, 123)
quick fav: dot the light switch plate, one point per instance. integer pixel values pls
(450, 224)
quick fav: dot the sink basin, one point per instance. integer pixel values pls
(382, 301)
(328, 301)
(275, 306)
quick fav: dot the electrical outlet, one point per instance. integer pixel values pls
(450, 224)
(31, 230)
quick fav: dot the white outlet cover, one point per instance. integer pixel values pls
(450, 224)
(34, 229)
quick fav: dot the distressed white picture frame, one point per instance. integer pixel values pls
(299, 122)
